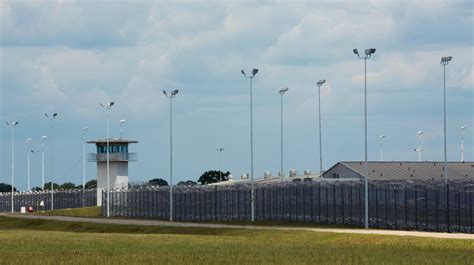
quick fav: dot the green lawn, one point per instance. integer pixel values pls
(96, 212)
(25, 241)
(80, 212)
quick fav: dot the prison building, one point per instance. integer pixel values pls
(401, 171)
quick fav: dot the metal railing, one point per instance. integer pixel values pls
(102, 157)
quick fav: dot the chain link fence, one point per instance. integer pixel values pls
(407, 206)
(62, 200)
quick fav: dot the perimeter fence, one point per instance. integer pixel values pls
(407, 206)
(62, 200)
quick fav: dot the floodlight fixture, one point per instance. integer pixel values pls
(382, 136)
(12, 123)
(283, 90)
(122, 121)
(321, 82)
(446, 59)
(254, 71)
(85, 128)
(420, 132)
(243, 72)
(174, 92)
(356, 52)
(28, 140)
(370, 51)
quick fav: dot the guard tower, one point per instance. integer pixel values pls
(118, 164)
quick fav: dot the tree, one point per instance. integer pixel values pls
(47, 186)
(213, 176)
(6, 187)
(91, 184)
(187, 183)
(158, 182)
(36, 189)
(67, 186)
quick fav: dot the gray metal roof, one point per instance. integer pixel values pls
(112, 141)
(401, 170)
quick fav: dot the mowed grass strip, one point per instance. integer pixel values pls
(96, 213)
(77, 212)
(53, 242)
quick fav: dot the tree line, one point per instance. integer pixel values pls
(208, 177)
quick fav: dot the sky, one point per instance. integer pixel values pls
(67, 56)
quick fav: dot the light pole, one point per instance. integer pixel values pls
(252, 184)
(51, 117)
(220, 150)
(171, 94)
(84, 130)
(42, 161)
(121, 123)
(445, 61)
(107, 106)
(28, 141)
(281, 92)
(368, 54)
(319, 84)
(12, 125)
(419, 150)
(462, 142)
(381, 146)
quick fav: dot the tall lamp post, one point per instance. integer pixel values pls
(419, 150)
(368, 54)
(462, 142)
(445, 61)
(84, 130)
(319, 84)
(28, 141)
(171, 94)
(220, 150)
(252, 184)
(381, 146)
(12, 125)
(42, 161)
(281, 92)
(121, 124)
(51, 117)
(107, 106)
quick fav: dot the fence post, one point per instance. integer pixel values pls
(343, 195)
(470, 210)
(416, 208)
(426, 209)
(447, 209)
(327, 205)
(376, 206)
(459, 209)
(395, 208)
(406, 210)
(312, 202)
(319, 202)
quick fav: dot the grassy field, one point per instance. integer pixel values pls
(96, 212)
(79, 212)
(47, 242)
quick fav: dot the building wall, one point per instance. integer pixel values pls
(342, 172)
(118, 174)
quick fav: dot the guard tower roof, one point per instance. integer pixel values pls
(112, 140)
